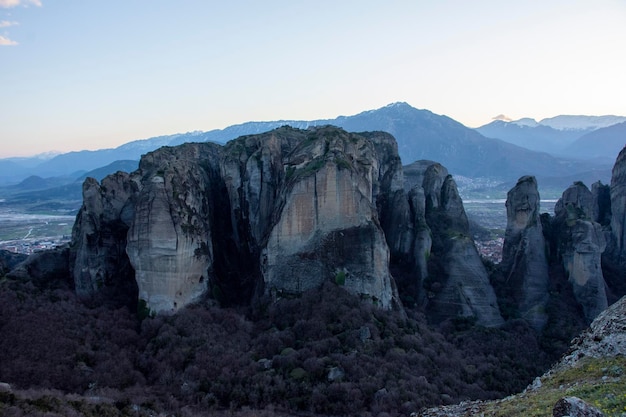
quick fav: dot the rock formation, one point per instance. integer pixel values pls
(280, 213)
(274, 213)
(464, 285)
(169, 239)
(459, 283)
(45, 267)
(328, 224)
(98, 260)
(618, 206)
(524, 261)
(580, 246)
(9, 260)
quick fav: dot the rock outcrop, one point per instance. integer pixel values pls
(9, 260)
(464, 285)
(275, 213)
(458, 284)
(618, 206)
(575, 407)
(605, 337)
(170, 237)
(98, 260)
(280, 213)
(328, 226)
(45, 267)
(580, 246)
(524, 261)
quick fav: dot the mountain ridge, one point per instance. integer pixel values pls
(421, 134)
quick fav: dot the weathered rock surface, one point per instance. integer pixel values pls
(580, 245)
(282, 211)
(9, 260)
(575, 407)
(98, 260)
(605, 337)
(618, 205)
(464, 286)
(459, 284)
(169, 239)
(524, 261)
(601, 199)
(328, 226)
(44, 267)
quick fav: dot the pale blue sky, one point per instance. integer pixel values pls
(80, 74)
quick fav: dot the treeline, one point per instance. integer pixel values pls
(326, 352)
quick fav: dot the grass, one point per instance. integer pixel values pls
(600, 382)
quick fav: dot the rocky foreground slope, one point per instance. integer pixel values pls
(589, 380)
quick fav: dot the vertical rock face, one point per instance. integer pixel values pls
(463, 288)
(524, 253)
(601, 197)
(169, 240)
(98, 260)
(328, 227)
(581, 243)
(618, 205)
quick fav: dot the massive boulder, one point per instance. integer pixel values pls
(580, 246)
(524, 261)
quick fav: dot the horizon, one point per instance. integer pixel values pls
(96, 76)
(52, 153)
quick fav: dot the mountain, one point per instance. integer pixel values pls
(558, 135)
(532, 136)
(568, 122)
(420, 134)
(604, 142)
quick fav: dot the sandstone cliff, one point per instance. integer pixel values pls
(448, 276)
(98, 260)
(580, 246)
(280, 213)
(524, 261)
(618, 206)
(169, 239)
(274, 213)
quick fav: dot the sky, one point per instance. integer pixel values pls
(78, 74)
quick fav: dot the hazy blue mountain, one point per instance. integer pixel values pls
(604, 142)
(580, 122)
(555, 135)
(100, 173)
(421, 134)
(535, 137)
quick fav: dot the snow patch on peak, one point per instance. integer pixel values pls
(526, 121)
(571, 122)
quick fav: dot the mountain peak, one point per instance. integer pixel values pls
(581, 122)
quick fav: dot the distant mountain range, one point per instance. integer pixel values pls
(583, 137)
(502, 150)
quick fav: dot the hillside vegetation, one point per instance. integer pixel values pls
(308, 354)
